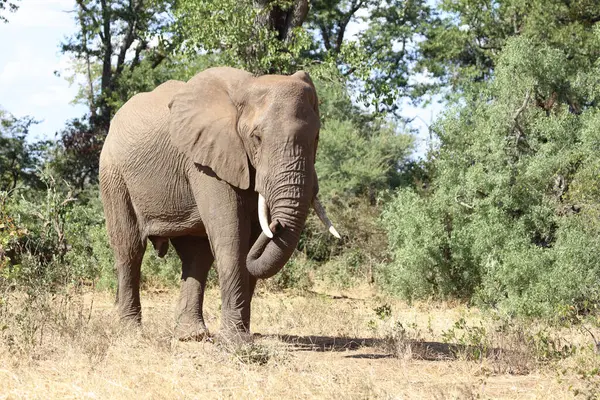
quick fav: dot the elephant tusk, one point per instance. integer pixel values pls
(320, 210)
(263, 216)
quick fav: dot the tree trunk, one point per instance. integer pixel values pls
(282, 21)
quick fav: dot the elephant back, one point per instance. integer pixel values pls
(148, 110)
(143, 119)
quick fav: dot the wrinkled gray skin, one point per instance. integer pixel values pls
(183, 164)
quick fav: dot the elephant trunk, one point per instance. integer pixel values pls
(290, 205)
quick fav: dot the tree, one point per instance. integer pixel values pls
(262, 36)
(116, 37)
(465, 38)
(330, 18)
(76, 154)
(284, 36)
(511, 215)
(379, 61)
(121, 47)
(18, 158)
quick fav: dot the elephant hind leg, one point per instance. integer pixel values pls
(127, 243)
(196, 260)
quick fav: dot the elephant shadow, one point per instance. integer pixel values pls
(423, 350)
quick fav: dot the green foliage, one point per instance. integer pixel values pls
(297, 273)
(464, 40)
(509, 215)
(379, 59)
(19, 158)
(146, 76)
(239, 34)
(351, 162)
(36, 257)
(358, 159)
(50, 239)
(271, 37)
(11, 234)
(359, 153)
(146, 39)
(390, 50)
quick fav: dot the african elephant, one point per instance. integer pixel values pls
(222, 167)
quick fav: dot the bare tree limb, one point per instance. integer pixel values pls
(107, 45)
(325, 35)
(515, 118)
(128, 40)
(142, 45)
(88, 65)
(523, 106)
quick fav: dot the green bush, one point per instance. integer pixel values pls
(358, 159)
(51, 239)
(510, 217)
(297, 273)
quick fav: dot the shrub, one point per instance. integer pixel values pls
(51, 239)
(358, 159)
(511, 214)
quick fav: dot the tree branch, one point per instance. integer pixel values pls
(163, 55)
(129, 37)
(325, 35)
(516, 117)
(106, 43)
(88, 63)
(142, 45)
(346, 18)
(91, 15)
(523, 106)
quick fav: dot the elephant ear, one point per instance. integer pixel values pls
(305, 77)
(203, 124)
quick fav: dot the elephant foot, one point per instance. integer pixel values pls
(131, 319)
(191, 331)
(233, 338)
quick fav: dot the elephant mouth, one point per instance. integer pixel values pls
(269, 229)
(280, 236)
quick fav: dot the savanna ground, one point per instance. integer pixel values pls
(356, 344)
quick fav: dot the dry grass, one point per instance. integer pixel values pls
(356, 345)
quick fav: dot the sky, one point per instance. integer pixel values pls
(30, 59)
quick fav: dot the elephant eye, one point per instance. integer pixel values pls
(255, 135)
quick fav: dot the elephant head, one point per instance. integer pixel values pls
(267, 128)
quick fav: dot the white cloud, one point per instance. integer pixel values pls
(43, 14)
(26, 64)
(51, 95)
(30, 55)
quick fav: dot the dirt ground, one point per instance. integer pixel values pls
(355, 345)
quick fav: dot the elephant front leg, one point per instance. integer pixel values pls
(196, 260)
(229, 236)
(223, 210)
(234, 281)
